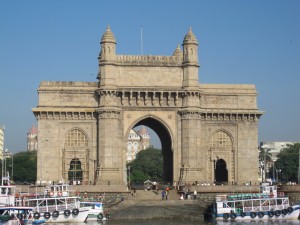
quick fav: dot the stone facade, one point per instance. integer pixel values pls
(137, 141)
(203, 128)
(32, 139)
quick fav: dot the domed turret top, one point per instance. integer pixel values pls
(143, 131)
(190, 38)
(178, 51)
(33, 130)
(108, 36)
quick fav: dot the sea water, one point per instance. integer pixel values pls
(188, 222)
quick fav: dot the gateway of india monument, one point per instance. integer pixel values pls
(208, 132)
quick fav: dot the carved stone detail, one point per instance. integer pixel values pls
(62, 115)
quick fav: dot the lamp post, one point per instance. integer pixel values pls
(261, 170)
(264, 147)
(129, 174)
(5, 156)
(277, 171)
(12, 166)
(274, 178)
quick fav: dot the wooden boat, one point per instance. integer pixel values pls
(266, 205)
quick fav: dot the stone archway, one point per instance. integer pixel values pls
(166, 145)
(221, 172)
(162, 92)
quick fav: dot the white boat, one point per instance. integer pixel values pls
(7, 192)
(96, 212)
(15, 215)
(266, 205)
(55, 205)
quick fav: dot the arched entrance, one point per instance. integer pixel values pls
(166, 145)
(221, 171)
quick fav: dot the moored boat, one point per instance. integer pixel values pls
(7, 192)
(266, 205)
(11, 215)
(54, 205)
(96, 211)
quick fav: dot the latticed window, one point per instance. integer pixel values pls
(220, 140)
(76, 138)
(75, 171)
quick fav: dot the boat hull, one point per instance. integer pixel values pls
(290, 216)
(61, 218)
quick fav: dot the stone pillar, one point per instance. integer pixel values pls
(190, 144)
(110, 169)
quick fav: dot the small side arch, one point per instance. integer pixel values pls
(75, 155)
(220, 145)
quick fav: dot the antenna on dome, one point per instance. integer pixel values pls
(142, 40)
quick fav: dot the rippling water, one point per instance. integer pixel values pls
(187, 222)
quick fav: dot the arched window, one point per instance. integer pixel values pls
(221, 140)
(135, 146)
(76, 138)
(75, 171)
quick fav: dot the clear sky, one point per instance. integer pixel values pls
(240, 42)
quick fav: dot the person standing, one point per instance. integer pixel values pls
(163, 195)
(167, 192)
(195, 194)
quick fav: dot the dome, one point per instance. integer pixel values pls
(33, 130)
(108, 36)
(143, 131)
(178, 51)
(190, 38)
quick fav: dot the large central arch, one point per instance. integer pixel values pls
(166, 144)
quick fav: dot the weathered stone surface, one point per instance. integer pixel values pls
(201, 126)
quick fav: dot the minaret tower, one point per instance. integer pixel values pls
(190, 60)
(110, 149)
(107, 59)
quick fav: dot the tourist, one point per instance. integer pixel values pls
(181, 197)
(163, 195)
(195, 194)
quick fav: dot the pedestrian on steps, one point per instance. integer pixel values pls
(163, 195)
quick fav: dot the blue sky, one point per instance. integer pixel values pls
(240, 42)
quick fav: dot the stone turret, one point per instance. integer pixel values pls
(108, 45)
(190, 48)
(178, 52)
(107, 59)
(190, 60)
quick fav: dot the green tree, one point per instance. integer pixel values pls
(147, 165)
(264, 154)
(288, 163)
(24, 167)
